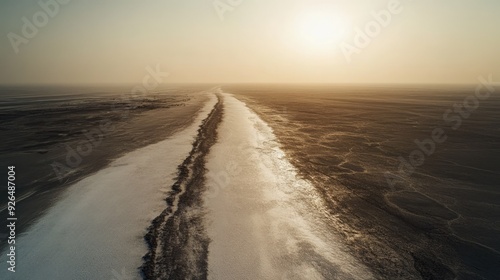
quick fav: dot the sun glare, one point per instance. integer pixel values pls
(320, 30)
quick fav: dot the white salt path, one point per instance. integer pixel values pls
(265, 222)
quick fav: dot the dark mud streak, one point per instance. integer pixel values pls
(180, 232)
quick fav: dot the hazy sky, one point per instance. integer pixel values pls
(113, 41)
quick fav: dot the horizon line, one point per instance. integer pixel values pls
(238, 83)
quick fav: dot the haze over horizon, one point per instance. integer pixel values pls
(254, 42)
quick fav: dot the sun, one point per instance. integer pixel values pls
(320, 30)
